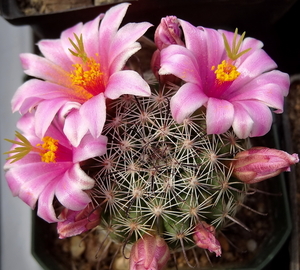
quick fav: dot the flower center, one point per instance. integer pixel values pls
(47, 150)
(50, 147)
(87, 76)
(226, 72)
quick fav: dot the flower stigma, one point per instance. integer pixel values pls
(233, 51)
(47, 150)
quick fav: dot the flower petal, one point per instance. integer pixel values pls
(261, 116)
(75, 127)
(48, 109)
(42, 68)
(269, 88)
(179, 61)
(124, 44)
(108, 29)
(26, 123)
(121, 59)
(90, 32)
(45, 203)
(187, 99)
(30, 169)
(207, 46)
(219, 115)
(90, 147)
(242, 122)
(253, 66)
(127, 82)
(36, 90)
(93, 113)
(214, 54)
(32, 189)
(53, 51)
(69, 189)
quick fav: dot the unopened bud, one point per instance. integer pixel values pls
(260, 163)
(149, 253)
(204, 237)
(168, 32)
(77, 222)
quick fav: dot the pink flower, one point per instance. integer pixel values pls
(260, 163)
(168, 32)
(40, 168)
(79, 72)
(77, 222)
(204, 237)
(233, 78)
(149, 253)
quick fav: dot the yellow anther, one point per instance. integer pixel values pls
(226, 72)
(50, 146)
(87, 76)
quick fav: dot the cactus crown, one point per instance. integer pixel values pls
(162, 177)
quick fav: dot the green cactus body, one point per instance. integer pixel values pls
(162, 177)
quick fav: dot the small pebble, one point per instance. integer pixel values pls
(85, 266)
(251, 245)
(77, 246)
(65, 243)
(120, 263)
(229, 256)
(93, 254)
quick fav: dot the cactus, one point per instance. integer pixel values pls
(160, 177)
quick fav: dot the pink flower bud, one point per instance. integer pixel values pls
(260, 163)
(149, 253)
(77, 222)
(204, 237)
(168, 32)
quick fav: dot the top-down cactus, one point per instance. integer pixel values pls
(157, 166)
(161, 177)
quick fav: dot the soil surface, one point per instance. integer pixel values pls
(33, 7)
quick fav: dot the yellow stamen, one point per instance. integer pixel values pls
(87, 77)
(50, 146)
(226, 72)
